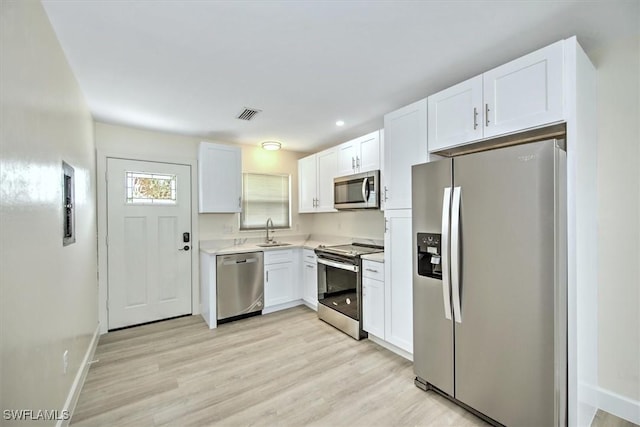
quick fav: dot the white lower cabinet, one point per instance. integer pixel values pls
(208, 301)
(310, 278)
(398, 271)
(280, 284)
(373, 298)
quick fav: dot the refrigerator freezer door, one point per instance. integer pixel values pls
(504, 344)
(432, 331)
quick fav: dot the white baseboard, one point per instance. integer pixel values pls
(391, 347)
(284, 306)
(587, 401)
(78, 382)
(311, 305)
(620, 406)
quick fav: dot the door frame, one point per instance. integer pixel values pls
(101, 184)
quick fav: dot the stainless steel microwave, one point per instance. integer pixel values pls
(359, 191)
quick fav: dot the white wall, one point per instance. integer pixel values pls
(143, 143)
(618, 314)
(368, 224)
(48, 301)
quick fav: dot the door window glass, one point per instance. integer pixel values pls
(150, 188)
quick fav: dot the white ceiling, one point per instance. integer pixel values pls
(190, 67)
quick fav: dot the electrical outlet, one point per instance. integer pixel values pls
(65, 361)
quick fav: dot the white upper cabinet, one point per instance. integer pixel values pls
(405, 144)
(219, 178)
(456, 114)
(346, 158)
(307, 184)
(359, 155)
(327, 168)
(521, 94)
(315, 181)
(524, 93)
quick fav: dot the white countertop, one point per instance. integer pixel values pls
(253, 246)
(227, 246)
(377, 257)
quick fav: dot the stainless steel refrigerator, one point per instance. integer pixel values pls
(489, 282)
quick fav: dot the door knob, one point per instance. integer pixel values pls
(185, 248)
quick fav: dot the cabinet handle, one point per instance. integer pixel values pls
(385, 193)
(371, 270)
(240, 201)
(309, 266)
(267, 275)
(385, 225)
(353, 163)
(357, 162)
(475, 118)
(486, 114)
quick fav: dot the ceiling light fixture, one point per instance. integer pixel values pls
(340, 123)
(271, 145)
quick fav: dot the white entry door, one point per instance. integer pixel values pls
(149, 250)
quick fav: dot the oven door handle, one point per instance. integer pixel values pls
(348, 267)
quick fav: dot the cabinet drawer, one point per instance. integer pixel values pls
(373, 270)
(308, 255)
(278, 256)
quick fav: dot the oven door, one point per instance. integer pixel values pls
(338, 286)
(358, 191)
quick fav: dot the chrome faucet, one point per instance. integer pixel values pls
(268, 240)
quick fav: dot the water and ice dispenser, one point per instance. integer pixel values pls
(429, 251)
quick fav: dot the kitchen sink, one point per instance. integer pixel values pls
(272, 244)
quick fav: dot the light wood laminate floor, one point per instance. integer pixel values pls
(286, 368)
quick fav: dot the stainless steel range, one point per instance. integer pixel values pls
(340, 286)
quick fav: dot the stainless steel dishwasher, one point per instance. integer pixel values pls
(239, 285)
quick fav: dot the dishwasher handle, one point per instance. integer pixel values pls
(233, 261)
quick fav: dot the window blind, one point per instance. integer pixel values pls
(265, 196)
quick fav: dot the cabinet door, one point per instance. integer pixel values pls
(398, 267)
(405, 145)
(327, 165)
(307, 184)
(524, 93)
(278, 284)
(373, 307)
(456, 115)
(310, 281)
(347, 158)
(368, 152)
(219, 178)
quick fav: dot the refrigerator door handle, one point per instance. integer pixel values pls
(455, 253)
(446, 293)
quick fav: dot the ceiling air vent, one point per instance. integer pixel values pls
(248, 114)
